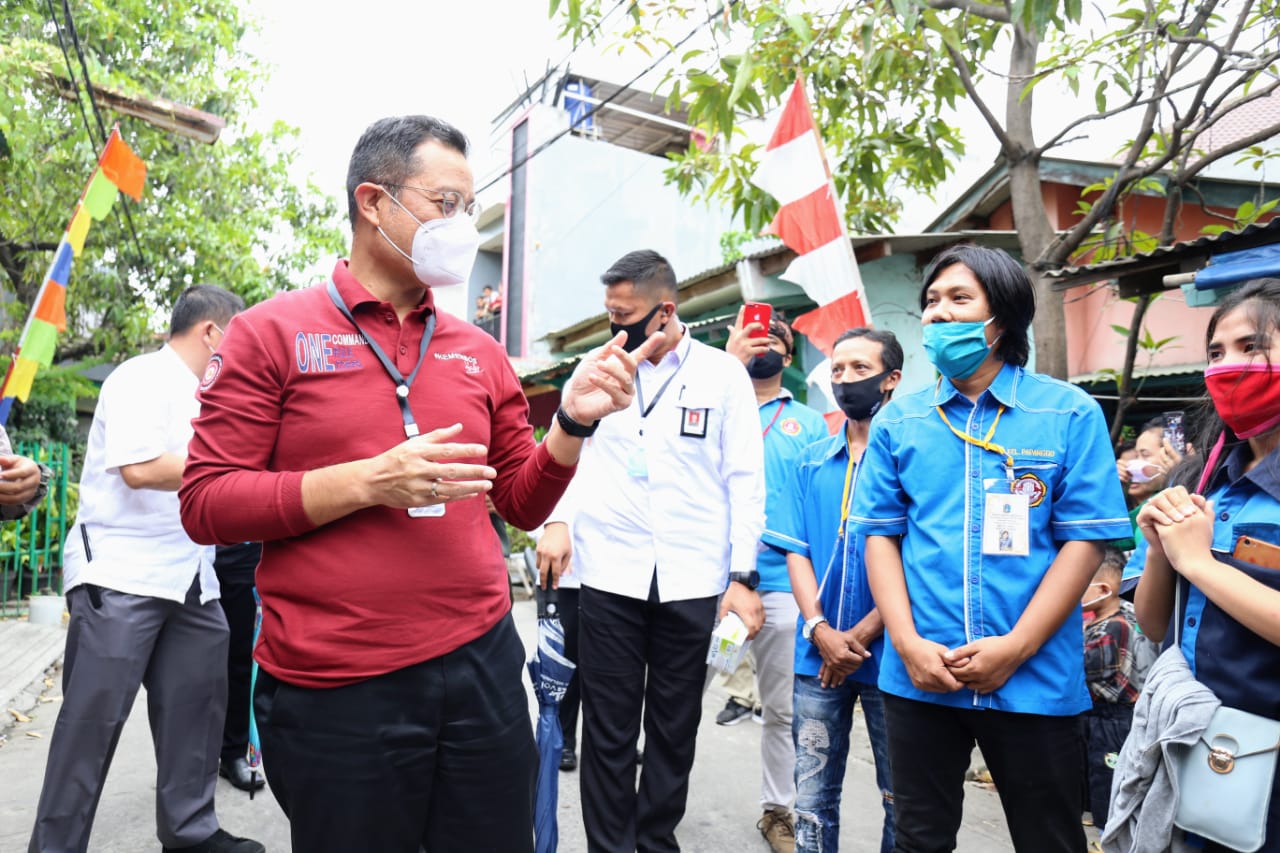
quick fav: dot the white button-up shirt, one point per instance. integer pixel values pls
(135, 537)
(680, 489)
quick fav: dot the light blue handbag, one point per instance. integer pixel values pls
(1225, 778)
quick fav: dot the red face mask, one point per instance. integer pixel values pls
(1247, 396)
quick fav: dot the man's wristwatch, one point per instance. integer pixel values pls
(572, 427)
(750, 579)
(810, 624)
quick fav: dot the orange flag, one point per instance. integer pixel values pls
(122, 167)
(53, 305)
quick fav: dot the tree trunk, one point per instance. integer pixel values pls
(1035, 232)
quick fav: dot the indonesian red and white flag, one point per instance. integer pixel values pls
(811, 219)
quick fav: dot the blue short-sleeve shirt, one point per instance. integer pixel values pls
(788, 427)
(808, 523)
(921, 482)
(1241, 668)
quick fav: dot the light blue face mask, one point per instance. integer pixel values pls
(957, 349)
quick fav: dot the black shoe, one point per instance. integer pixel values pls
(240, 776)
(221, 842)
(732, 714)
(568, 760)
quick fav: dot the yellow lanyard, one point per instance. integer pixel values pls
(844, 501)
(985, 443)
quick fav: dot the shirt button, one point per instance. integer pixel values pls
(403, 349)
(1191, 621)
(1224, 515)
(389, 317)
(973, 529)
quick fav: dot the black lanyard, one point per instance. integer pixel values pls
(645, 410)
(402, 384)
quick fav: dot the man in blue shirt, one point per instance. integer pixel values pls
(787, 427)
(838, 644)
(985, 500)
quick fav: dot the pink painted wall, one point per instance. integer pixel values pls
(1091, 310)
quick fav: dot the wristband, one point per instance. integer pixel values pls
(572, 427)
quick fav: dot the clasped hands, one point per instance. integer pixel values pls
(983, 665)
(1179, 526)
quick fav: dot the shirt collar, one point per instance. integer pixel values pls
(355, 295)
(1265, 475)
(677, 354)
(176, 362)
(784, 395)
(838, 445)
(1004, 388)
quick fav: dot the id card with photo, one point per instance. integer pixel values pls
(1006, 525)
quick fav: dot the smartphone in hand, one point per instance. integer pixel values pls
(758, 312)
(1174, 432)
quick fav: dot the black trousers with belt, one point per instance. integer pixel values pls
(639, 656)
(439, 755)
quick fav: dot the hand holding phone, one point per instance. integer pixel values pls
(1174, 432)
(758, 312)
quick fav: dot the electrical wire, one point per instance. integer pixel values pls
(525, 95)
(623, 88)
(97, 115)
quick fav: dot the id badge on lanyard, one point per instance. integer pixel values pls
(403, 383)
(1006, 516)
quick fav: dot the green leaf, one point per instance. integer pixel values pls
(800, 27)
(1123, 331)
(741, 78)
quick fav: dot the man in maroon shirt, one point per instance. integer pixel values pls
(390, 700)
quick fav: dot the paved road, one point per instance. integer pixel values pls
(723, 800)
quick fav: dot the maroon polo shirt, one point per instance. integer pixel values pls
(295, 387)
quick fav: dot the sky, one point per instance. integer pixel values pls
(333, 74)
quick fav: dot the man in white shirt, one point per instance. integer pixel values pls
(143, 601)
(667, 507)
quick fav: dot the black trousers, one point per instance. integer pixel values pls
(1036, 762)
(1105, 728)
(241, 610)
(439, 755)
(636, 656)
(573, 695)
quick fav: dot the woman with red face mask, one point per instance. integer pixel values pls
(1220, 543)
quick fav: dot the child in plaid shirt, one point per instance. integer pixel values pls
(1116, 658)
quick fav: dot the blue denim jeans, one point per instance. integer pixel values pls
(822, 718)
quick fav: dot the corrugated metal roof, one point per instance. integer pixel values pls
(1207, 246)
(1143, 373)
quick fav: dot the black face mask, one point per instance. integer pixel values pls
(635, 331)
(859, 400)
(765, 366)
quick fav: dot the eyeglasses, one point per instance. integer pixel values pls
(451, 203)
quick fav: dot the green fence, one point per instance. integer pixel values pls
(31, 547)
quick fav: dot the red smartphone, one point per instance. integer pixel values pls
(758, 312)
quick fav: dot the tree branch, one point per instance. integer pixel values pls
(1239, 145)
(1007, 144)
(990, 11)
(30, 247)
(1061, 248)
